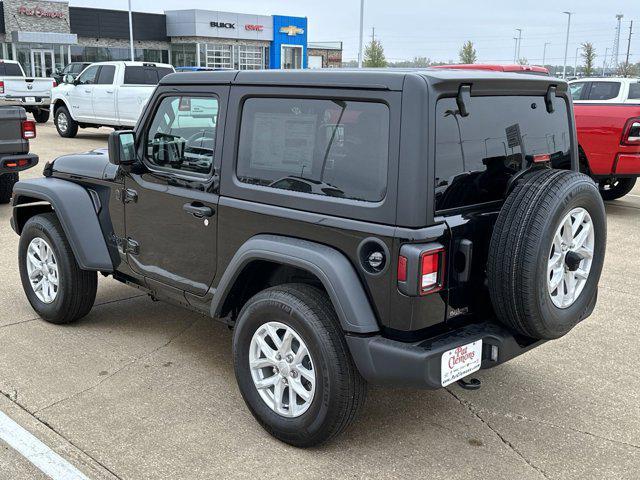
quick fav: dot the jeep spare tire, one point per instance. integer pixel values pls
(546, 253)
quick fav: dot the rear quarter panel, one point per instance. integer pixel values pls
(131, 100)
(11, 141)
(600, 128)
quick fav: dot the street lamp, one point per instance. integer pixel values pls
(575, 65)
(566, 45)
(604, 62)
(361, 33)
(515, 50)
(544, 52)
(133, 57)
(519, 30)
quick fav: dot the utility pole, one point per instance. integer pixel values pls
(544, 52)
(575, 65)
(361, 33)
(604, 62)
(519, 30)
(373, 34)
(566, 45)
(133, 55)
(626, 63)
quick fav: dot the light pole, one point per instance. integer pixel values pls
(515, 50)
(361, 33)
(575, 65)
(604, 62)
(544, 52)
(566, 45)
(519, 30)
(133, 56)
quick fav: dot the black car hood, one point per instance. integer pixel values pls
(91, 164)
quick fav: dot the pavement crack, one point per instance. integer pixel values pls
(14, 400)
(123, 367)
(20, 322)
(469, 406)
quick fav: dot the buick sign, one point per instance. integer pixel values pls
(222, 25)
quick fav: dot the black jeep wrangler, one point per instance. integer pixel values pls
(387, 227)
(15, 133)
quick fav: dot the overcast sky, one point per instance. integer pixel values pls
(437, 29)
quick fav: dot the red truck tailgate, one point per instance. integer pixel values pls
(600, 131)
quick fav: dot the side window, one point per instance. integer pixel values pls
(604, 90)
(634, 91)
(141, 75)
(182, 134)
(88, 77)
(323, 147)
(576, 90)
(105, 77)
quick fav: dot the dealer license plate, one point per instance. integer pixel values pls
(30, 99)
(460, 362)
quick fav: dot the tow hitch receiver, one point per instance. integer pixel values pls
(471, 384)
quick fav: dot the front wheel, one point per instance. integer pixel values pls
(293, 366)
(614, 188)
(67, 127)
(57, 289)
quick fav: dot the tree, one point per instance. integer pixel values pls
(468, 53)
(523, 61)
(626, 69)
(589, 56)
(374, 55)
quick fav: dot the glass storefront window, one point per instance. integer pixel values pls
(218, 55)
(184, 54)
(250, 57)
(111, 54)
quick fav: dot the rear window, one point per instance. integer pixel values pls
(604, 90)
(10, 70)
(141, 75)
(324, 147)
(634, 91)
(476, 155)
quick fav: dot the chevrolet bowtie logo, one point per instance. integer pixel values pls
(292, 30)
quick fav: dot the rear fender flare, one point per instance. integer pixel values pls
(331, 267)
(76, 212)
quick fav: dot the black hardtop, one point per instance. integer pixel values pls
(378, 79)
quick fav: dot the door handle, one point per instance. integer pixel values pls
(198, 210)
(87, 91)
(109, 91)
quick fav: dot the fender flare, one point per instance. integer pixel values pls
(64, 103)
(76, 212)
(331, 267)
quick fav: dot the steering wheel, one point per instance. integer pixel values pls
(199, 140)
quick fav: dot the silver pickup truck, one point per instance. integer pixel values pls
(34, 94)
(15, 133)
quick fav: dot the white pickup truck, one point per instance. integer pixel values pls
(33, 94)
(105, 94)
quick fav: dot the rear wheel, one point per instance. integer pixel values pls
(7, 181)
(41, 115)
(293, 366)
(546, 253)
(57, 289)
(67, 127)
(614, 188)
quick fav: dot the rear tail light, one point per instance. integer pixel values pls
(55, 84)
(431, 271)
(402, 269)
(631, 135)
(28, 129)
(23, 162)
(1, 87)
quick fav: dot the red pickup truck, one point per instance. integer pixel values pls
(607, 112)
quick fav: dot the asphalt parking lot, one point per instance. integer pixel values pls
(144, 390)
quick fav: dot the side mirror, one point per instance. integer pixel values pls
(122, 147)
(68, 78)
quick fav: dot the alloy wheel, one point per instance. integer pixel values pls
(42, 269)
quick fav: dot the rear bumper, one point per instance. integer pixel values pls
(22, 102)
(388, 362)
(17, 163)
(627, 164)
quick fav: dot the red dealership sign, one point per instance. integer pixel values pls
(254, 28)
(39, 12)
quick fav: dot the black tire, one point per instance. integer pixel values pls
(77, 288)
(614, 188)
(340, 390)
(41, 115)
(7, 181)
(71, 129)
(520, 248)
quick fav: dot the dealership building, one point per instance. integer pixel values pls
(44, 35)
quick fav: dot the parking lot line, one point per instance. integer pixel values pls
(41, 456)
